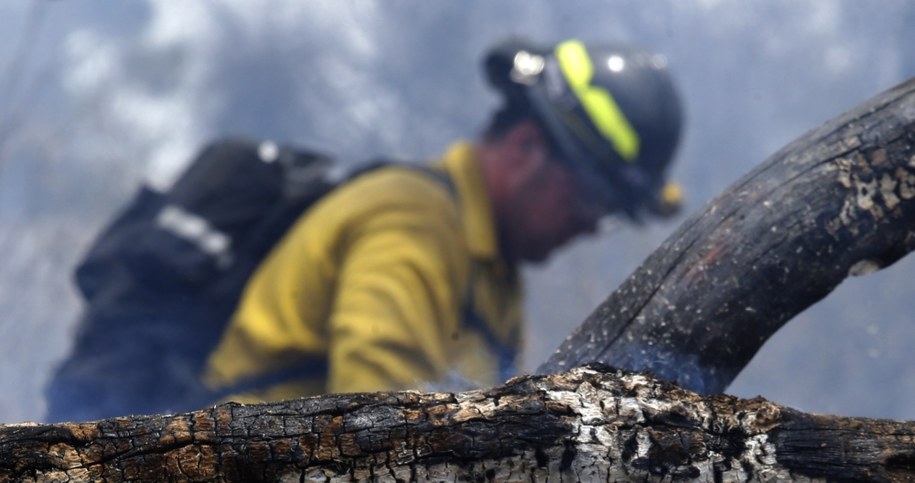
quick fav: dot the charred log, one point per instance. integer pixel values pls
(591, 424)
(837, 202)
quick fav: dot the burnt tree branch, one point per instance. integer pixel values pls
(591, 424)
(837, 202)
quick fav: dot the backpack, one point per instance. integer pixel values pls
(162, 280)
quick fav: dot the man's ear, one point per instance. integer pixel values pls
(529, 143)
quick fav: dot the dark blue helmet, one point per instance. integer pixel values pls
(612, 111)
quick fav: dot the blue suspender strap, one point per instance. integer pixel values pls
(472, 319)
(505, 354)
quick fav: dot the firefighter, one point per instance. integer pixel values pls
(402, 278)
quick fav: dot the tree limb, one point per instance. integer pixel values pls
(591, 424)
(837, 202)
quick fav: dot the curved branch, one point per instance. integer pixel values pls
(838, 201)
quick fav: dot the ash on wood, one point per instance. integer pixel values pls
(590, 424)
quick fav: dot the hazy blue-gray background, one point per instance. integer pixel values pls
(97, 95)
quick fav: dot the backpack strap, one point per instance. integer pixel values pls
(505, 353)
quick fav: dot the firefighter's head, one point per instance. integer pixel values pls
(599, 123)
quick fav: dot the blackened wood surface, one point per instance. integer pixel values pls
(591, 424)
(838, 201)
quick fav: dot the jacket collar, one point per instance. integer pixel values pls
(461, 164)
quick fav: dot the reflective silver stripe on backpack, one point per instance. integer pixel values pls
(197, 231)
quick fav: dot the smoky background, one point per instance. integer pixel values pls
(97, 96)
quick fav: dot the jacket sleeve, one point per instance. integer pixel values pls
(402, 279)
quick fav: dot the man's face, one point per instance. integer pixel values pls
(550, 208)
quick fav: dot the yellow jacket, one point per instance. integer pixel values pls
(392, 281)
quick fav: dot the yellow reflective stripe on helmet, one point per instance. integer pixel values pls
(598, 102)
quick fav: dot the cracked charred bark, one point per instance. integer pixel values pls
(590, 424)
(837, 202)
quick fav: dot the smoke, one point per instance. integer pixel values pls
(113, 93)
(683, 369)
